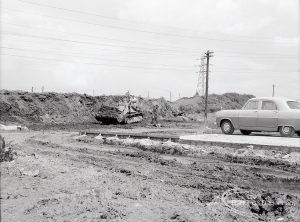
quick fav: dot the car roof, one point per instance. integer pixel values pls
(278, 99)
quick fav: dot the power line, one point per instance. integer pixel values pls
(181, 50)
(270, 55)
(201, 79)
(258, 56)
(85, 35)
(125, 66)
(134, 29)
(253, 70)
(97, 64)
(101, 37)
(129, 21)
(135, 54)
(88, 57)
(173, 49)
(152, 50)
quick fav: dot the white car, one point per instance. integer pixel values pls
(270, 114)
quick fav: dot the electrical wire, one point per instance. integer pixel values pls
(235, 54)
(146, 68)
(141, 49)
(90, 57)
(118, 19)
(135, 29)
(96, 64)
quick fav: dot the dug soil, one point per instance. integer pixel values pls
(58, 177)
(70, 108)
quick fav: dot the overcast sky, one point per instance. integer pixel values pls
(150, 46)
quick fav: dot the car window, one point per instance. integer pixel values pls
(293, 105)
(268, 105)
(251, 105)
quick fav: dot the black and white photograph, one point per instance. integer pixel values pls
(149, 110)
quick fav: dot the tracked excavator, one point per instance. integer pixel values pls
(125, 113)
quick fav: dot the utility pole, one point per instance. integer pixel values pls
(203, 75)
(273, 93)
(201, 78)
(42, 89)
(208, 55)
(170, 96)
(32, 89)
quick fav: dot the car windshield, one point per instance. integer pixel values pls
(251, 105)
(293, 105)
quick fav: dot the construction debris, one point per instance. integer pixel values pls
(6, 153)
(12, 127)
(31, 173)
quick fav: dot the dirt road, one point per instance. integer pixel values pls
(56, 177)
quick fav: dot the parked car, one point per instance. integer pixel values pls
(262, 114)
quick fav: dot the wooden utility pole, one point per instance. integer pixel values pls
(208, 54)
(273, 93)
(201, 78)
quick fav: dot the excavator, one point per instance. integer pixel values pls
(125, 113)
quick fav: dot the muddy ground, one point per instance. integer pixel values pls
(58, 176)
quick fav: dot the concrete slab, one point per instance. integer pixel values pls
(239, 141)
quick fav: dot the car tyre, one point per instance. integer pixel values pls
(246, 132)
(227, 127)
(298, 133)
(286, 131)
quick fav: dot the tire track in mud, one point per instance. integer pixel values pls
(178, 185)
(184, 189)
(251, 163)
(163, 175)
(219, 174)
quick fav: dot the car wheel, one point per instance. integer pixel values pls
(286, 131)
(227, 127)
(298, 133)
(245, 132)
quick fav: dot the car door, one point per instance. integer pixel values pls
(248, 115)
(267, 116)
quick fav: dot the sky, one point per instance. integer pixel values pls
(150, 47)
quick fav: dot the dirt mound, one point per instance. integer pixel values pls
(50, 108)
(196, 104)
(166, 108)
(57, 108)
(24, 107)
